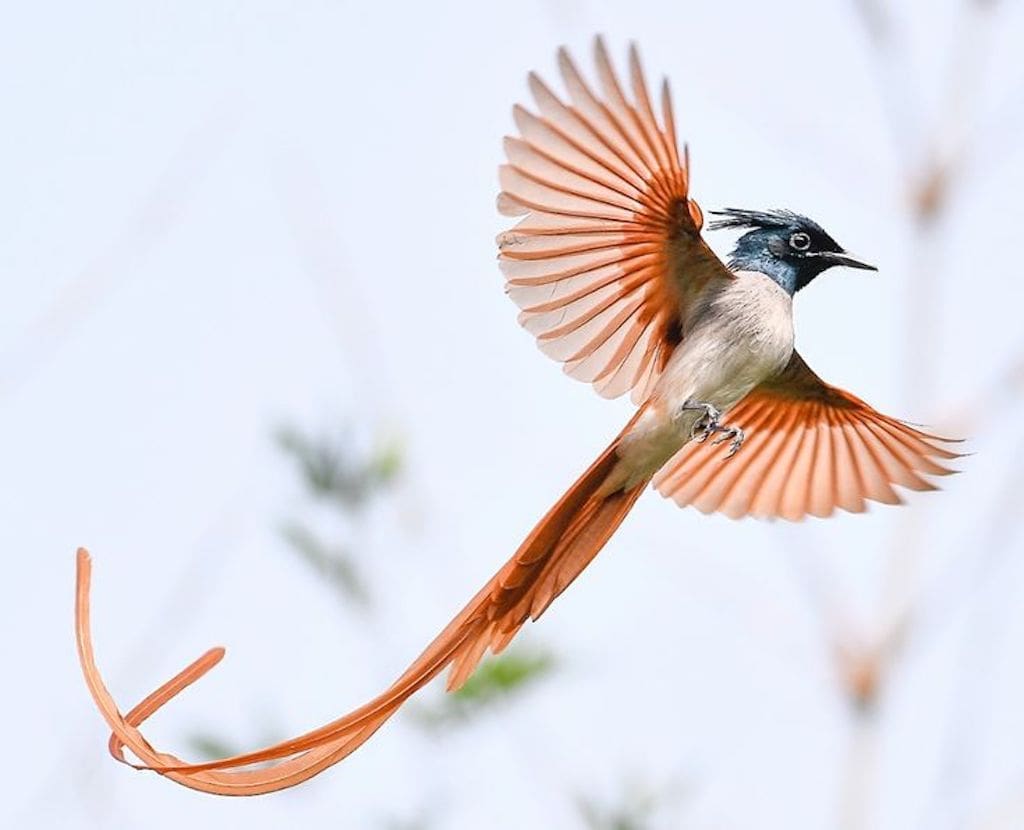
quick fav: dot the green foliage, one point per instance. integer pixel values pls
(341, 479)
(330, 562)
(332, 470)
(495, 680)
(633, 811)
(209, 747)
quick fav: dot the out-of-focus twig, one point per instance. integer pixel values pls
(1004, 390)
(318, 238)
(637, 806)
(931, 161)
(331, 563)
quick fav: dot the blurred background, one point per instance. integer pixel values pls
(255, 354)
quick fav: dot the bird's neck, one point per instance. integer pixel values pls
(784, 273)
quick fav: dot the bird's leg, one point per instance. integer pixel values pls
(709, 422)
(706, 423)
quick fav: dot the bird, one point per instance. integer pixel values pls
(612, 275)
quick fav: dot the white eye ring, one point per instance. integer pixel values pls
(800, 241)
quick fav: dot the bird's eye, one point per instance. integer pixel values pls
(799, 241)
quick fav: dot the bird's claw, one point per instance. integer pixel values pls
(735, 436)
(709, 422)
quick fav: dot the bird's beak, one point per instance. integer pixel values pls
(844, 258)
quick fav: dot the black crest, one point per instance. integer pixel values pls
(786, 246)
(739, 218)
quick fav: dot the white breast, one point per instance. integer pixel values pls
(742, 335)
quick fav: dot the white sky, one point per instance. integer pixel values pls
(220, 217)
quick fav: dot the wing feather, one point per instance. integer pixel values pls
(779, 469)
(688, 483)
(597, 117)
(821, 484)
(811, 448)
(848, 483)
(794, 496)
(653, 133)
(607, 261)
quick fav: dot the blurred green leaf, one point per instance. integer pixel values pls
(210, 747)
(495, 680)
(503, 674)
(332, 469)
(331, 563)
(632, 812)
(386, 463)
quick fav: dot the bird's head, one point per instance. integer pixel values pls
(786, 246)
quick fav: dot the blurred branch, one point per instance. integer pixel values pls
(633, 809)
(875, 21)
(929, 186)
(985, 553)
(932, 162)
(810, 570)
(897, 94)
(317, 232)
(330, 563)
(1001, 392)
(419, 822)
(931, 156)
(981, 555)
(336, 471)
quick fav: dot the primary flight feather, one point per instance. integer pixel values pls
(613, 278)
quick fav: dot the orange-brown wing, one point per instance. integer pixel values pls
(810, 448)
(608, 257)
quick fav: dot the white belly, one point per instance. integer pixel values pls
(742, 336)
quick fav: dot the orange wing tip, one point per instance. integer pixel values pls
(921, 430)
(509, 206)
(600, 192)
(696, 214)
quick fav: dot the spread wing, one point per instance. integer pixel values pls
(810, 448)
(608, 258)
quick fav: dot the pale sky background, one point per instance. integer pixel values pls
(220, 217)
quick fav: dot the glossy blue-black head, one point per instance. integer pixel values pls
(786, 246)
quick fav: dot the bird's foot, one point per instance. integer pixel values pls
(707, 422)
(710, 422)
(734, 435)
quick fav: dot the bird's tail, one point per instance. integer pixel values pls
(557, 550)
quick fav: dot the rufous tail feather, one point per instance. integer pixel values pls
(557, 550)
